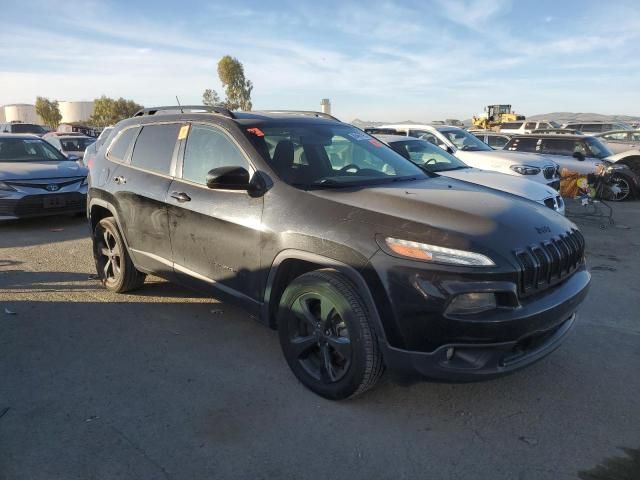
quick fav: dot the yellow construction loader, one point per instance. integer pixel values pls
(494, 115)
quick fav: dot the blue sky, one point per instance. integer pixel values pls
(377, 60)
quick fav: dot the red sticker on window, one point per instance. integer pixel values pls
(375, 143)
(256, 131)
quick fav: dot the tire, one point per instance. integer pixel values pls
(326, 336)
(626, 186)
(113, 263)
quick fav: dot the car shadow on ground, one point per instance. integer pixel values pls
(42, 230)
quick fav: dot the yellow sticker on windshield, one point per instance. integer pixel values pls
(184, 131)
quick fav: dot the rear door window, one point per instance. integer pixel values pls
(120, 147)
(154, 147)
(530, 126)
(523, 144)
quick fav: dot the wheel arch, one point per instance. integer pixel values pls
(290, 264)
(99, 209)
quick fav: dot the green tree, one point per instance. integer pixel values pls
(237, 87)
(49, 112)
(109, 111)
(210, 97)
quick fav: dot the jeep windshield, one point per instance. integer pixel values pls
(28, 150)
(427, 156)
(464, 141)
(330, 156)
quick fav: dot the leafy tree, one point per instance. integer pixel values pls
(109, 111)
(237, 87)
(49, 112)
(210, 97)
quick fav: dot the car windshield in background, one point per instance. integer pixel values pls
(330, 156)
(598, 148)
(76, 144)
(464, 141)
(28, 150)
(427, 156)
(27, 128)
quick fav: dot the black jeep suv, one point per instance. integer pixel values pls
(360, 259)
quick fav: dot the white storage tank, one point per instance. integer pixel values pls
(3, 118)
(21, 112)
(325, 106)
(75, 112)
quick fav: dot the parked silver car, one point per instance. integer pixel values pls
(621, 140)
(38, 180)
(69, 143)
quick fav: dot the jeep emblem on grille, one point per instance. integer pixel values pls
(544, 229)
(52, 187)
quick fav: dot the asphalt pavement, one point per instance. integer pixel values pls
(164, 383)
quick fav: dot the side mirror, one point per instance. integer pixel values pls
(73, 158)
(578, 156)
(228, 178)
(451, 150)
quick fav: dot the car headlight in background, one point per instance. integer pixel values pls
(6, 188)
(433, 253)
(525, 169)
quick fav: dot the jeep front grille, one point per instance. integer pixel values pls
(549, 262)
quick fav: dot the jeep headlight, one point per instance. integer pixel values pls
(436, 254)
(525, 169)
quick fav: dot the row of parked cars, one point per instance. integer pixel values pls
(390, 250)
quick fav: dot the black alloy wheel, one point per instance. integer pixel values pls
(326, 335)
(113, 263)
(319, 338)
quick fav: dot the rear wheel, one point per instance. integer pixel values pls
(326, 337)
(113, 264)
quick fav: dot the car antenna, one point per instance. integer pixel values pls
(177, 100)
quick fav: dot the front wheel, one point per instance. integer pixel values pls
(620, 188)
(113, 264)
(326, 336)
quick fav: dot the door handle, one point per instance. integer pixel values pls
(120, 180)
(181, 197)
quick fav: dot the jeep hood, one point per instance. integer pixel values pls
(447, 212)
(37, 170)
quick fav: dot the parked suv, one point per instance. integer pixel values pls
(583, 154)
(19, 127)
(527, 126)
(591, 128)
(359, 258)
(475, 153)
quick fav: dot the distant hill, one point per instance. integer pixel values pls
(560, 117)
(563, 117)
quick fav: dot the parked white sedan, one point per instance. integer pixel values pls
(433, 159)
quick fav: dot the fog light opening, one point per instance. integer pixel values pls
(471, 303)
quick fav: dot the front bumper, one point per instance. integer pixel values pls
(422, 339)
(25, 206)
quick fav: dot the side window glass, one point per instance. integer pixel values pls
(118, 149)
(208, 148)
(154, 147)
(424, 135)
(530, 126)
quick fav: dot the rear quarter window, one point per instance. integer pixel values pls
(120, 147)
(154, 147)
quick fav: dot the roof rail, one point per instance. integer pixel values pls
(305, 113)
(182, 108)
